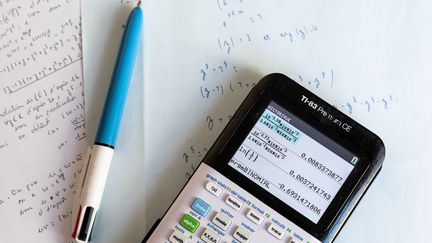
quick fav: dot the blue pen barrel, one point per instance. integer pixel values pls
(117, 92)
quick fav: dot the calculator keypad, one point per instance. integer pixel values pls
(213, 188)
(189, 223)
(177, 237)
(242, 235)
(254, 217)
(208, 236)
(213, 209)
(234, 203)
(276, 231)
(221, 221)
(201, 207)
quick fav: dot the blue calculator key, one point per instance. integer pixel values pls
(201, 207)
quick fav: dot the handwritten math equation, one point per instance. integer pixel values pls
(41, 196)
(217, 80)
(238, 13)
(42, 120)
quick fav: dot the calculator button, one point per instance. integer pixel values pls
(276, 231)
(177, 237)
(221, 221)
(234, 203)
(290, 240)
(242, 235)
(209, 236)
(255, 217)
(213, 189)
(201, 207)
(189, 223)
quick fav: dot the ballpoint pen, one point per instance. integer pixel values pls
(96, 173)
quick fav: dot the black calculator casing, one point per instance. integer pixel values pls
(341, 129)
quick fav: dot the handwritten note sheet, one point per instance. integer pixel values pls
(42, 131)
(200, 58)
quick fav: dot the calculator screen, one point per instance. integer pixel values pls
(293, 161)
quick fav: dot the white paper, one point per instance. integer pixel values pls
(200, 58)
(42, 131)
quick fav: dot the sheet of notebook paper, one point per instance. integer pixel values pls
(41, 118)
(200, 58)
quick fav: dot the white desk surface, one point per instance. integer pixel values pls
(359, 51)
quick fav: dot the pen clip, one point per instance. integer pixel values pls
(77, 208)
(86, 166)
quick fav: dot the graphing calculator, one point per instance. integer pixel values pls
(288, 167)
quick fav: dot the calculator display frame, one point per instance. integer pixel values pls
(288, 94)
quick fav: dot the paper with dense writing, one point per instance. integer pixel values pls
(42, 131)
(200, 58)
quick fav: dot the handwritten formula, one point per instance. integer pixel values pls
(214, 80)
(42, 123)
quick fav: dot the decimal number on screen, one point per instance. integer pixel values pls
(322, 168)
(310, 185)
(300, 199)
